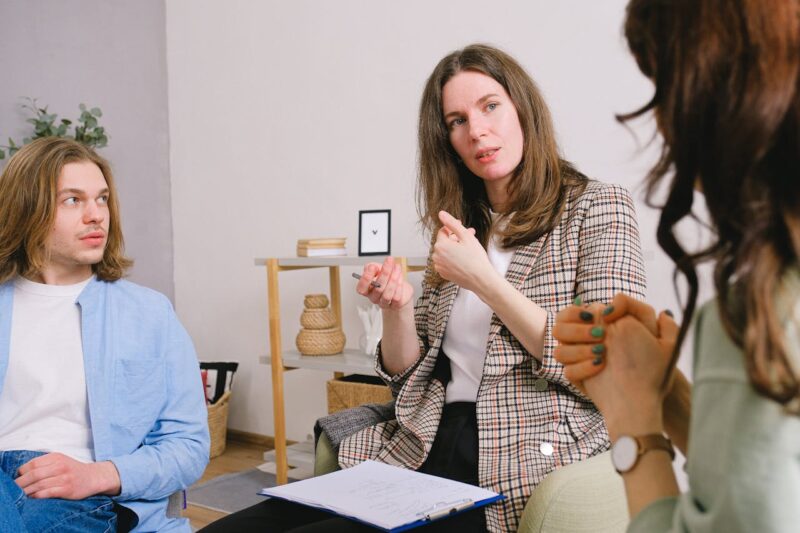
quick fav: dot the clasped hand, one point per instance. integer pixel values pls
(55, 475)
(618, 355)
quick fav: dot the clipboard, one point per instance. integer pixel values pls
(387, 497)
(447, 510)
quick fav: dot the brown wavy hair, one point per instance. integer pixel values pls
(28, 190)
(726, 100)
(541, 183)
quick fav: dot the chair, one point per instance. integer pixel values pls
(583, 497)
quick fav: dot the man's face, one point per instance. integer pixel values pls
(80, 231)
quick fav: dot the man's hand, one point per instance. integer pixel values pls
(55, 475)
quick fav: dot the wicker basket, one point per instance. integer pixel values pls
(317, 319)
(315, 301)
(355, 390)
(218, 424)
(328, 341)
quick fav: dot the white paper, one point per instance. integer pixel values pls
(380, 494)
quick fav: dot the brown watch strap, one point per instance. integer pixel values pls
(654, 441)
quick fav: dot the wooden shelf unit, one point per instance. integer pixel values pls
(350, 362)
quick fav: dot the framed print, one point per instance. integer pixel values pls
(374, 232)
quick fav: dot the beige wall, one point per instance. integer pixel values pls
(287, 117)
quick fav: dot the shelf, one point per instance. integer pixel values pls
(338, 260)
(350, 362)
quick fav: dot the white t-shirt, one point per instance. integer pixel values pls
(467, 332)
(43, 404)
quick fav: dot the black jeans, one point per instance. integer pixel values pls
(454, 455)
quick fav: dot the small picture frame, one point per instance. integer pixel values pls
(374, 232)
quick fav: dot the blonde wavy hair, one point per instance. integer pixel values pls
(28, 190)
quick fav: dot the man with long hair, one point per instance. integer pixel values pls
(102, 415)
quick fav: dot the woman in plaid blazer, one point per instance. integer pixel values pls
(540, 234)
(496, 410)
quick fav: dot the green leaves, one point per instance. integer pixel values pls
(11, 148)
(87, 131)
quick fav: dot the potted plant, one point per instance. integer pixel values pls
(86, 131)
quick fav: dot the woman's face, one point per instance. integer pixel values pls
(484, 126)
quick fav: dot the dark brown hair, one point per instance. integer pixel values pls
(726, 101)
(539, 188)
(28, 189)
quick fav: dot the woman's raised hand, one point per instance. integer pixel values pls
(458, 256)
(390, 289)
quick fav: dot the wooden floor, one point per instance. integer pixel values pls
(238, 456)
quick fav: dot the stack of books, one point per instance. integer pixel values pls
(321, 247)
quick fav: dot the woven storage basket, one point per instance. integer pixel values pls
(355, 390)
(315, 301)
(317, 319)
(218, 424)
(328, 341)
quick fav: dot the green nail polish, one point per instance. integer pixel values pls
(608, 310)
(577, 300)
(597, 331)
(597, 360)
(598, 349)
(586, 316)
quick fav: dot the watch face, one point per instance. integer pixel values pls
(624, 453)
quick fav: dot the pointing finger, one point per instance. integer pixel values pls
(453, 224)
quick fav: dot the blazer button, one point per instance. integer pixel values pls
(546, 448)
(540, 385)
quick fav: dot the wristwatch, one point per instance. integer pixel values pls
(626, 451)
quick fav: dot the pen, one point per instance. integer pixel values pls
(448, 509)
(373, 284)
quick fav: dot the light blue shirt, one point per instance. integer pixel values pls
(146, 401)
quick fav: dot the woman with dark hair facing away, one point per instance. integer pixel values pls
(727, 105)
(517, 234)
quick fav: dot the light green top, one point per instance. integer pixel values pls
(744, 450)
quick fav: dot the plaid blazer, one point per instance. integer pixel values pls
(530, 418)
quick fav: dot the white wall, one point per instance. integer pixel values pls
(287, 117)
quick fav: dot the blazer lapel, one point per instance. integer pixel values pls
(447, 297)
